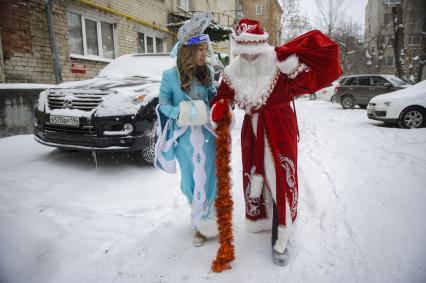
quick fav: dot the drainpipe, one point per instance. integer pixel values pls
(52, 37)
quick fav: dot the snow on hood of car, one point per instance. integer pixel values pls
(121, 100)
(413, 90)
(124, 100)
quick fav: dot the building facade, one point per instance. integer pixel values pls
(379, 31)
(89, 34)
(268, 13)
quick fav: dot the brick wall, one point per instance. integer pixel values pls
(26, 44)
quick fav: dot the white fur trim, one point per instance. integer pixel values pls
(245, 36)
(282, 240)
(259, 225)
(249, 48)
(213, 123)
(187, 108)
(208, 227)
(270, 171)
(289, 65)
(253, 81)
(285, 233)
(256, 186)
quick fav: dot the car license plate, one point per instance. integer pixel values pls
(65, 120)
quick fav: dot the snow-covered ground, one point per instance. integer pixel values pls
(361, 217)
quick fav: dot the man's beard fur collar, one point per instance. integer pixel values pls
(251, 81)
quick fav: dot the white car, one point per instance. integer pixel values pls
(327, 93)
(406, 107)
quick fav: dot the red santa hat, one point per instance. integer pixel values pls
(249, 37)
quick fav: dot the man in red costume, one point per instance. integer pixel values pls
(264, 81)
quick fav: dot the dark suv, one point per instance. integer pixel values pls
(360, 89)
(115, 111)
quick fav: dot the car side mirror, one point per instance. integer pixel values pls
(389, 85)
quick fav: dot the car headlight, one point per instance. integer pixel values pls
(128, 128)
(387, 103)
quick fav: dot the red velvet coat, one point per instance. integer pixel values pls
(318, 65)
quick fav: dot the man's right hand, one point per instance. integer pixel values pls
(220, 110)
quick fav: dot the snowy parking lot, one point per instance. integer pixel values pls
(64, 218)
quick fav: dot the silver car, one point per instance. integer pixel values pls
(360, 89)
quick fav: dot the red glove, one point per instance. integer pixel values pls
(220, 110)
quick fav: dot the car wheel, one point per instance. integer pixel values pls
(148, 153)
(333, 99)
(312, 96)
(348, 101)
(363, 106)
(412, 117)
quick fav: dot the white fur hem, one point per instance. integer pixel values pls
(282, 240)
(256, 186)
(192, 113)
(289, 65)
(208, 227)
(259, 225)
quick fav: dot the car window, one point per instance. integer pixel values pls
(397, 81)
(378, 81)
(352, 81)
(364, 81)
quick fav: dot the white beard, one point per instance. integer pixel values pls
(252, 81)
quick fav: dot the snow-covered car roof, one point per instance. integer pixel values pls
(138, 65)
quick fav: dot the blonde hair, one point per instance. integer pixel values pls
(188, 69)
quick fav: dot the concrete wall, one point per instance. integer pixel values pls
(16, 111)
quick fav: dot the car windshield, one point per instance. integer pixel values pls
(396, 81)
(137, 65)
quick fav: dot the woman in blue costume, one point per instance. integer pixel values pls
(186, 134)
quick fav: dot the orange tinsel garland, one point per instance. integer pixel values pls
(224, 203)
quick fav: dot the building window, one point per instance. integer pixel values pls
(259, 9)
(389, 62)
(150, 44)
(159, 45)
(414, 40)
(91, 38)
(387, 19)
(107, 31)
(75, 39)
(141, 41)
(183, 4)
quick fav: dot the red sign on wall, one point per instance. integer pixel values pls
(78, 68)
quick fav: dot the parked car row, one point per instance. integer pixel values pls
(387, 98)
(360, 89)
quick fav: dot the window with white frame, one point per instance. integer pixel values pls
(91, 38)
(183, 4)
(150, 44)
(414, 40)
(259, 9)
(389, 61)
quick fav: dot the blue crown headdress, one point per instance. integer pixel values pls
(192, 31)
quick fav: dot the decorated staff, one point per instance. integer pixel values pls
(224, 203)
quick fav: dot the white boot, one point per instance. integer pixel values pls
(280, 258)
(199, 240)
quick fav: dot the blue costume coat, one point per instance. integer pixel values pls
(194, 148)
